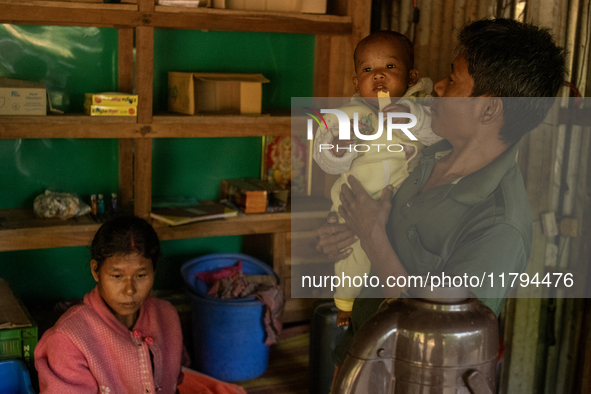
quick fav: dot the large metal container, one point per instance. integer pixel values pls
(436, 344)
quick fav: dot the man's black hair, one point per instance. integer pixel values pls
(401, 38)
(510, 59)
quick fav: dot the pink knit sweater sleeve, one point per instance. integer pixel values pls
(62, 368)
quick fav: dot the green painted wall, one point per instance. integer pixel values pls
(72, 61)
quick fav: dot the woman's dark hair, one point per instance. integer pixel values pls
(510, 59)
(125, 235)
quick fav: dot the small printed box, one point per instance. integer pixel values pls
(110, 99)
(192, 93)
(22, 97)
(101, 110)
(246, 196)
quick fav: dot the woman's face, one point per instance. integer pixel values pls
(124, 282)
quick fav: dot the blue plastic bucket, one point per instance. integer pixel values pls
(14, 378)
(228, 335)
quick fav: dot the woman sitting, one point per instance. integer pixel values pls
(120, 340)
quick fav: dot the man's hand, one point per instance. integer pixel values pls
(362, 213)
(334, 239)
(341, 146)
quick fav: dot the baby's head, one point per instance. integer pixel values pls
(384, 61)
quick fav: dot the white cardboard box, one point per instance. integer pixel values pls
(19, 97)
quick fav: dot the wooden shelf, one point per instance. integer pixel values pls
(69, 126)
(167, 126)
(241, 225)
(21, 230)
(129, 15)
(170, 126)
(234, 20)
(70, 14)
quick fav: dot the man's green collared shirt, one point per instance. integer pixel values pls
(477, 225)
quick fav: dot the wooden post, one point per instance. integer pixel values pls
(125, 74)
(143, 146)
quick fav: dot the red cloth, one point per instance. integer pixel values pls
(232, 286)
(211, 276)
(90, 351)
(198, 383)
(272, 297)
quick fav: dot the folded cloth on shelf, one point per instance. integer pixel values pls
(197, 383)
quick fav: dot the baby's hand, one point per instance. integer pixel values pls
(395, 108)
(342, 145)
(343, 318)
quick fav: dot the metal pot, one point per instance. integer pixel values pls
(442, 343)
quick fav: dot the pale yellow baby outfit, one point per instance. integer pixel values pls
(375, 169)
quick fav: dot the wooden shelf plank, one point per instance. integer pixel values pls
(168, 126)
(241, 225)
(70, 14)
(20, 230)
(235, 20)
(69, 126)
(128, 15)
(98, 5)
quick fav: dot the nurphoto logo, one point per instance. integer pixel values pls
(345, 125)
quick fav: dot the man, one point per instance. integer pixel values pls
(463, 210)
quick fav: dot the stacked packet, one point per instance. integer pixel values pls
(110, 104)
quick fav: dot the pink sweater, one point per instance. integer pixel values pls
(90, 351)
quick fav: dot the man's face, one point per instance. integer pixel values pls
(452, 116)
(459, 83)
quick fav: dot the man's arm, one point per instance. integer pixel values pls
(494, 250)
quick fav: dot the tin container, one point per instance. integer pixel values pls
(438, 344)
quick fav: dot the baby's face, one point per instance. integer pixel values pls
(381, 66)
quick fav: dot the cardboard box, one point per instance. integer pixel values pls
(19, 97)
(246, 196)
(103, 110)
(192, 93)
(277, 197)
(301, 6)
(18, 330)
(110, 99)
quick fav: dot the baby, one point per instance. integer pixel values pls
(384, 66)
